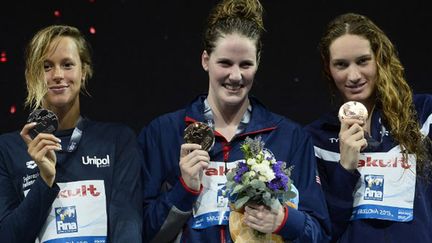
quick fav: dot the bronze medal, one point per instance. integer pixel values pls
(353, 110)
(201, 134)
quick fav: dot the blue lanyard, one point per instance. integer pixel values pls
(76, 136)
(373, 144)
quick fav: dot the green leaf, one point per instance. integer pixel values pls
(275, 204)
(257, 184)
(238, 188)
(230, 184)
(252, 193)
(267, 201)
(286, 196)
(230, 175)
(266, 195)
(291, 194)
(241, 201)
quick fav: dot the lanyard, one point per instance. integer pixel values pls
(373, 144)
(76, 136)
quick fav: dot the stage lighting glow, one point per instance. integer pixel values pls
(3, 57)
(12, 109)
(57, 13)
(92, 30)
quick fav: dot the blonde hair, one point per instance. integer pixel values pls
(393, 94)
(35, 55)
(243, 17)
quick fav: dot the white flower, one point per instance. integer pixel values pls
(269, 156)
(270, 175)
(265, 173)
(260, 156)
(251, 161)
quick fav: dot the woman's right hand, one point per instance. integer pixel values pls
(351, 141)
(193, 161)
(41, 150)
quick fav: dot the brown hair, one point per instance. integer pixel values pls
(393, 93)
(235, 16)
(36, 52)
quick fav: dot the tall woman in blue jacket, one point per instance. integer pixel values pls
(81, 184)
(376, 173)
(178, 208)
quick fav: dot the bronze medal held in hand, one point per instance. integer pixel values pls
(353, 110)
(201, 134)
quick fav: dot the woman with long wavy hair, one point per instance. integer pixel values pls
(375, 171)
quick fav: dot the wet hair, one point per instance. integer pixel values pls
(393, 94)
(36, 53)
(243, 17)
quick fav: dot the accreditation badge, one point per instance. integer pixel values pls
(211, 207)
(78, 214)
(386, 187)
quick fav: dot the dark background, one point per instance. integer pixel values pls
(147, 53)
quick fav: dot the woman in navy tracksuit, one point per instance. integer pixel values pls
(80, 184)
(177, 208)
(375, 172)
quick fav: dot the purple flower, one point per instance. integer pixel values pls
(281, 179)
(241, 169)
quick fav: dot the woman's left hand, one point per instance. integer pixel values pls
(262, 218)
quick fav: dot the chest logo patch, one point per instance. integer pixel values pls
(374, 189)
(66, 220)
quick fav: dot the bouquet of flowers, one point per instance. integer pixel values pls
(260, 179)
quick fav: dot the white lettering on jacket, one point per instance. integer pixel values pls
(99, 162)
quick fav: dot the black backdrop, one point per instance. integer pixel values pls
(147, 53)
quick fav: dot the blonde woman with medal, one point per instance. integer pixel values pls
(374, 159)
(65, 178)
(185, 196)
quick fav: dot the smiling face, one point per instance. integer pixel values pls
(231, 66)
(63, 74)
(353, 68)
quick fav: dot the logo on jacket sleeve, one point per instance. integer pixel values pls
(99, 162)
(31, 164)
(66, 220)
(374, 187)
